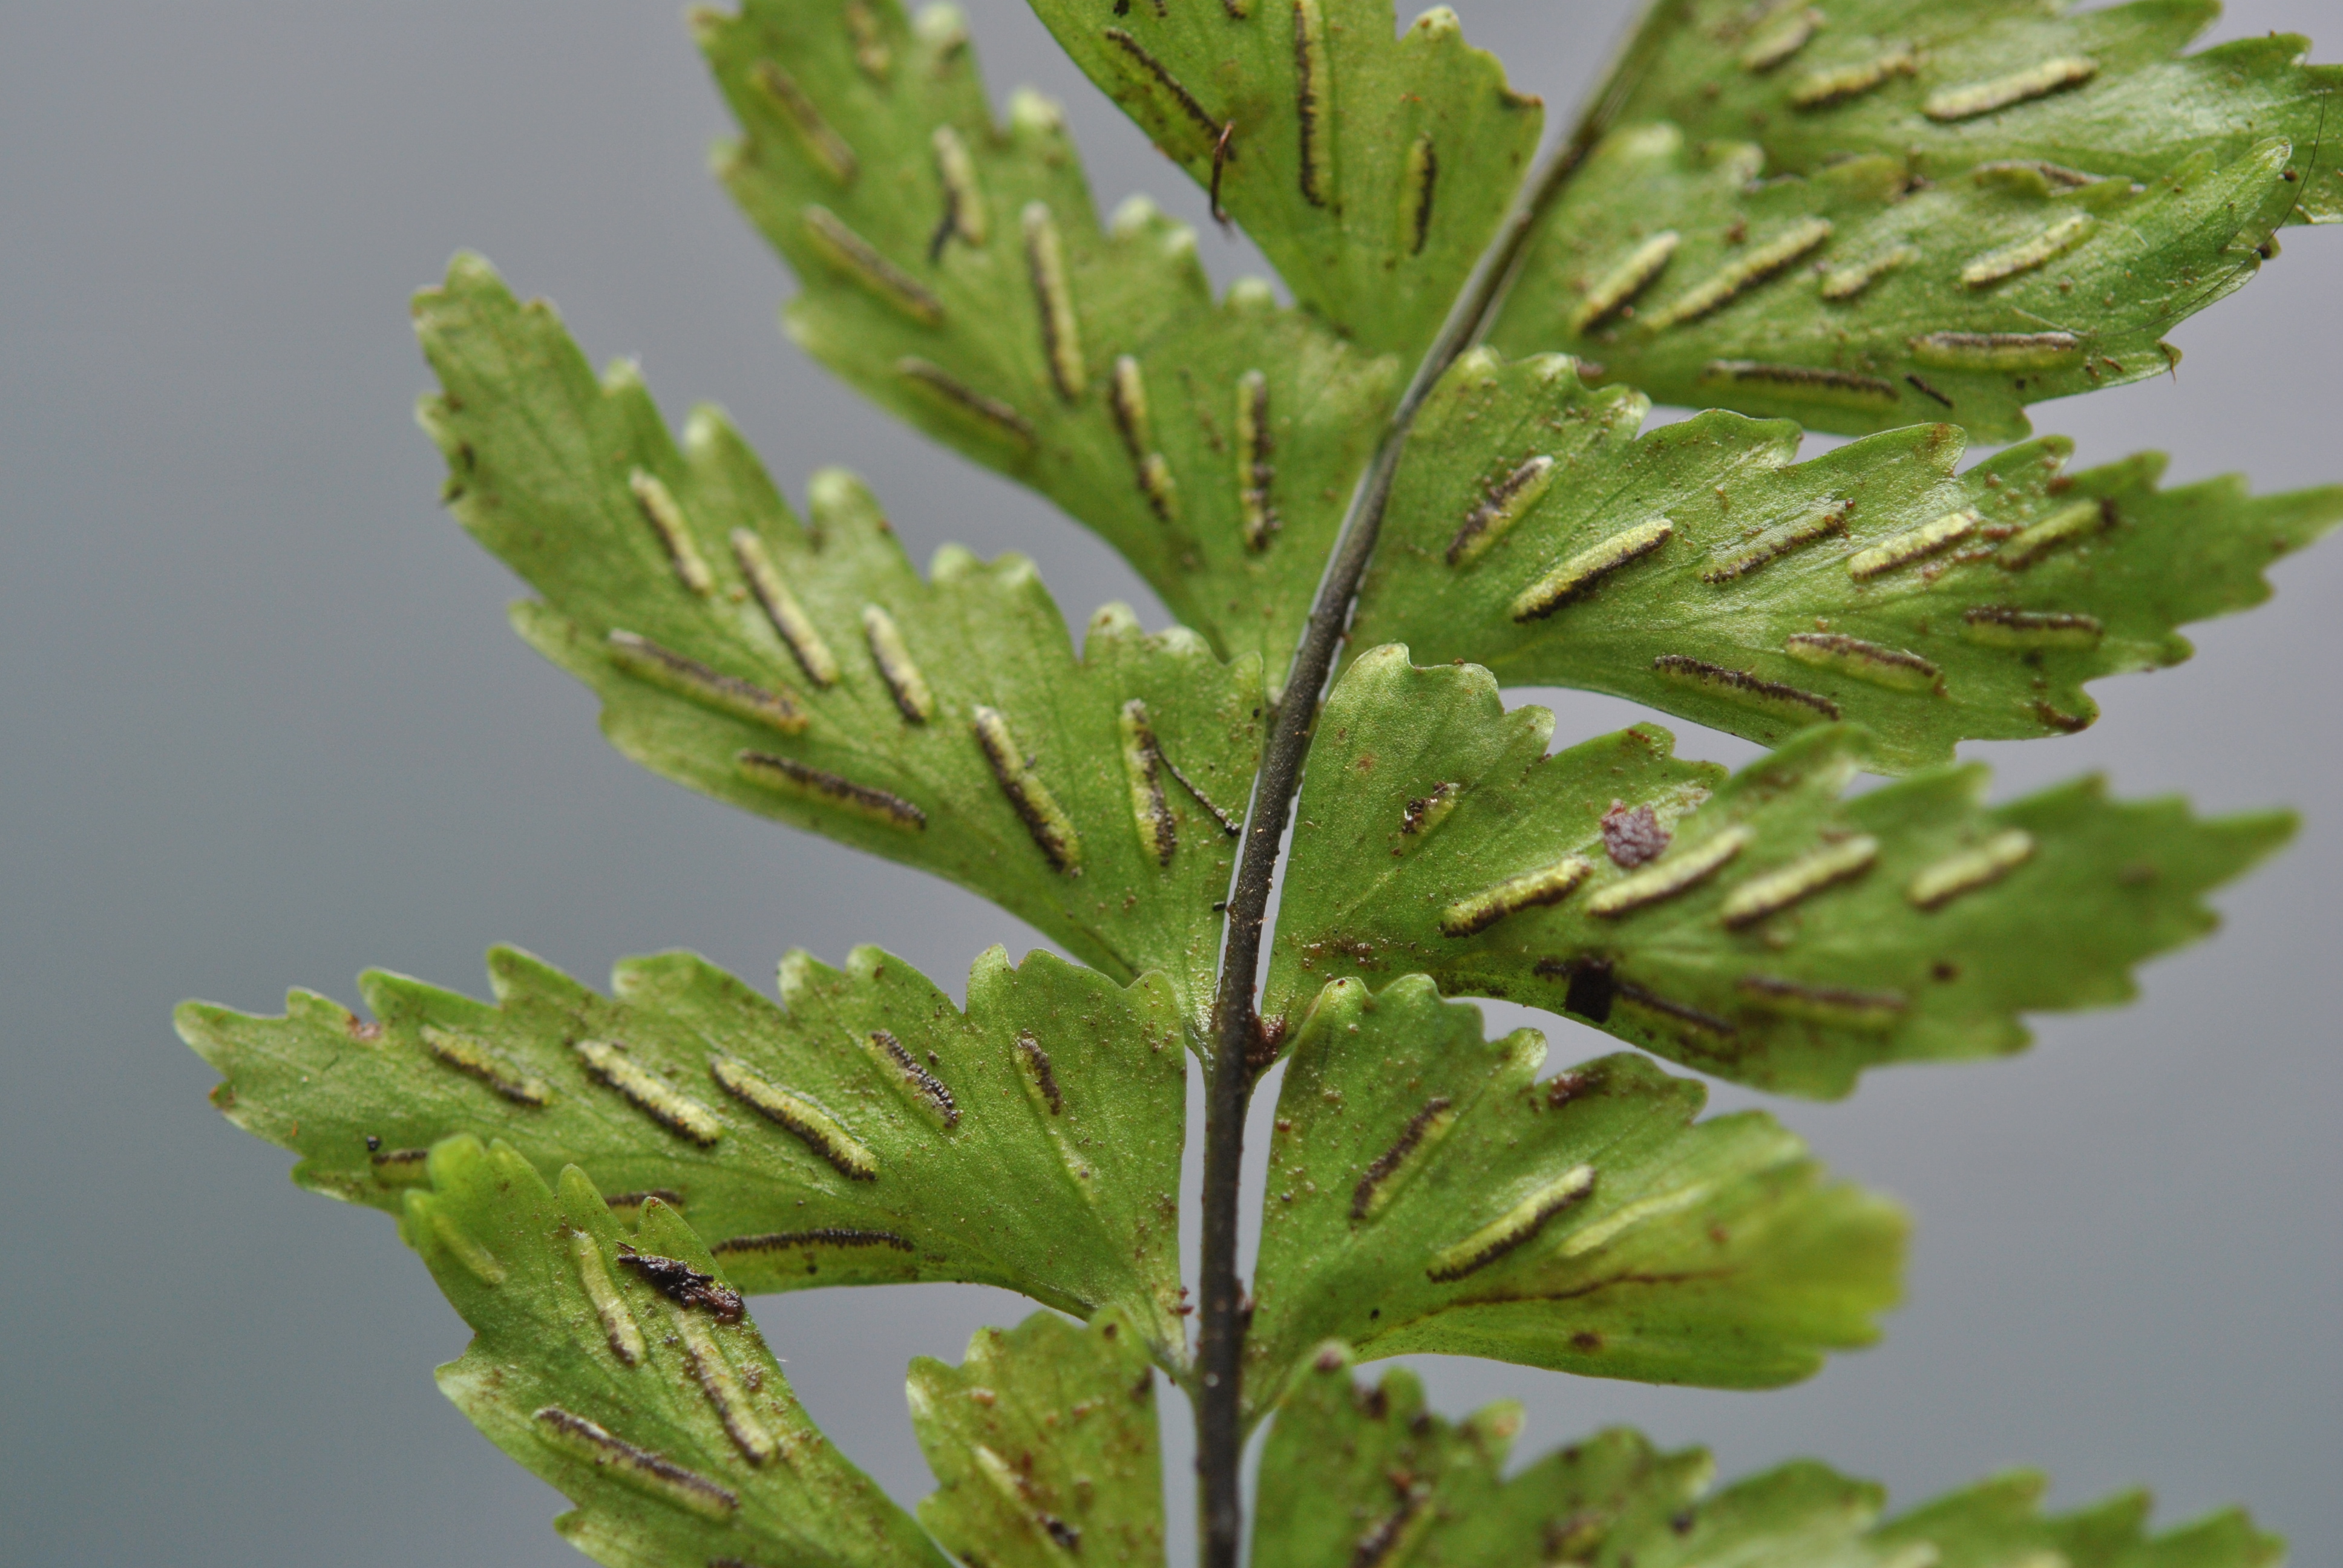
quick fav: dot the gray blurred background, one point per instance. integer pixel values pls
(263, 725)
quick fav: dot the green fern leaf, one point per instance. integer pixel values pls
(954, 271)
(1856, 302)
(620, 1370)
(1427, 1193)
(2101, 91)
(866, 1132)
(1043, 1446)
(1780, 934)
(1355, 1477)
(1701, 570)
(1371, 170)
(811, 676)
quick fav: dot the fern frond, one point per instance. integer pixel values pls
(1856, 300)
(1043, 1446)
(1765, 927)
(866, 1131)
(1352, 1477)
(620, 1368)
(810, 675)
(1372, 170)
(1429, 1192)
(2099, 91)
(1701, 570)
(953, 270)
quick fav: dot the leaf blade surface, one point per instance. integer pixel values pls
(868, 687)
(669, 1423)
(867, 1131)
(1016, 357)
(1352, 1475)
(1787, 936)
(1427, 1192)
(1876, 583)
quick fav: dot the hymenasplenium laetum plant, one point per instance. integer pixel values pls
(1904, 219)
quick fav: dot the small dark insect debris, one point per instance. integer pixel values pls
(374, 1144)
(681, 1284)
(1633, 835)
(1682, 1524)
(1375, 1403)
(1928, 391)
(1591, 989)
(1943, 970)
(1066, 1536)
(1586, 1339)
(1564, 1087)
(1268, 1035)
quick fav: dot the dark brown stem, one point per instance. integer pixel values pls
(1229, 1076)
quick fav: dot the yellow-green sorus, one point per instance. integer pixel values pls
(1530, 890)
(1778, 541)
(1845, 283)
(1579, 574)
(2078, 521)
(638, 1467)
(957, 172)
(687, 677)
(466, 1249)
(1519, 1225)
(830, 790)
(679, 1113)
(1915, 544)
(722, 1389)
(821, 143)
(619, 1324)
(913, 699)
(1629, 278)
(1729, 283)
(1782, 36)
(2027, 255)
(659, 509)
(469, 1057)
(1995, 350)
(1895, 668)
(1974, 98)
(1142, 768)
(817, 1128)
(1255, 472)
(1684, 868)
(1053, 830)
(1809, 874)
(1821, 89)
(1998, 625)
(1053, 295)
(863, 262)
(1971, 869)
(1865, 1009)
(781, 608)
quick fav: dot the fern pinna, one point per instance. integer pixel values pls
(1892, 219)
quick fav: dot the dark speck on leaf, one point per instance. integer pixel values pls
(681, 1284)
